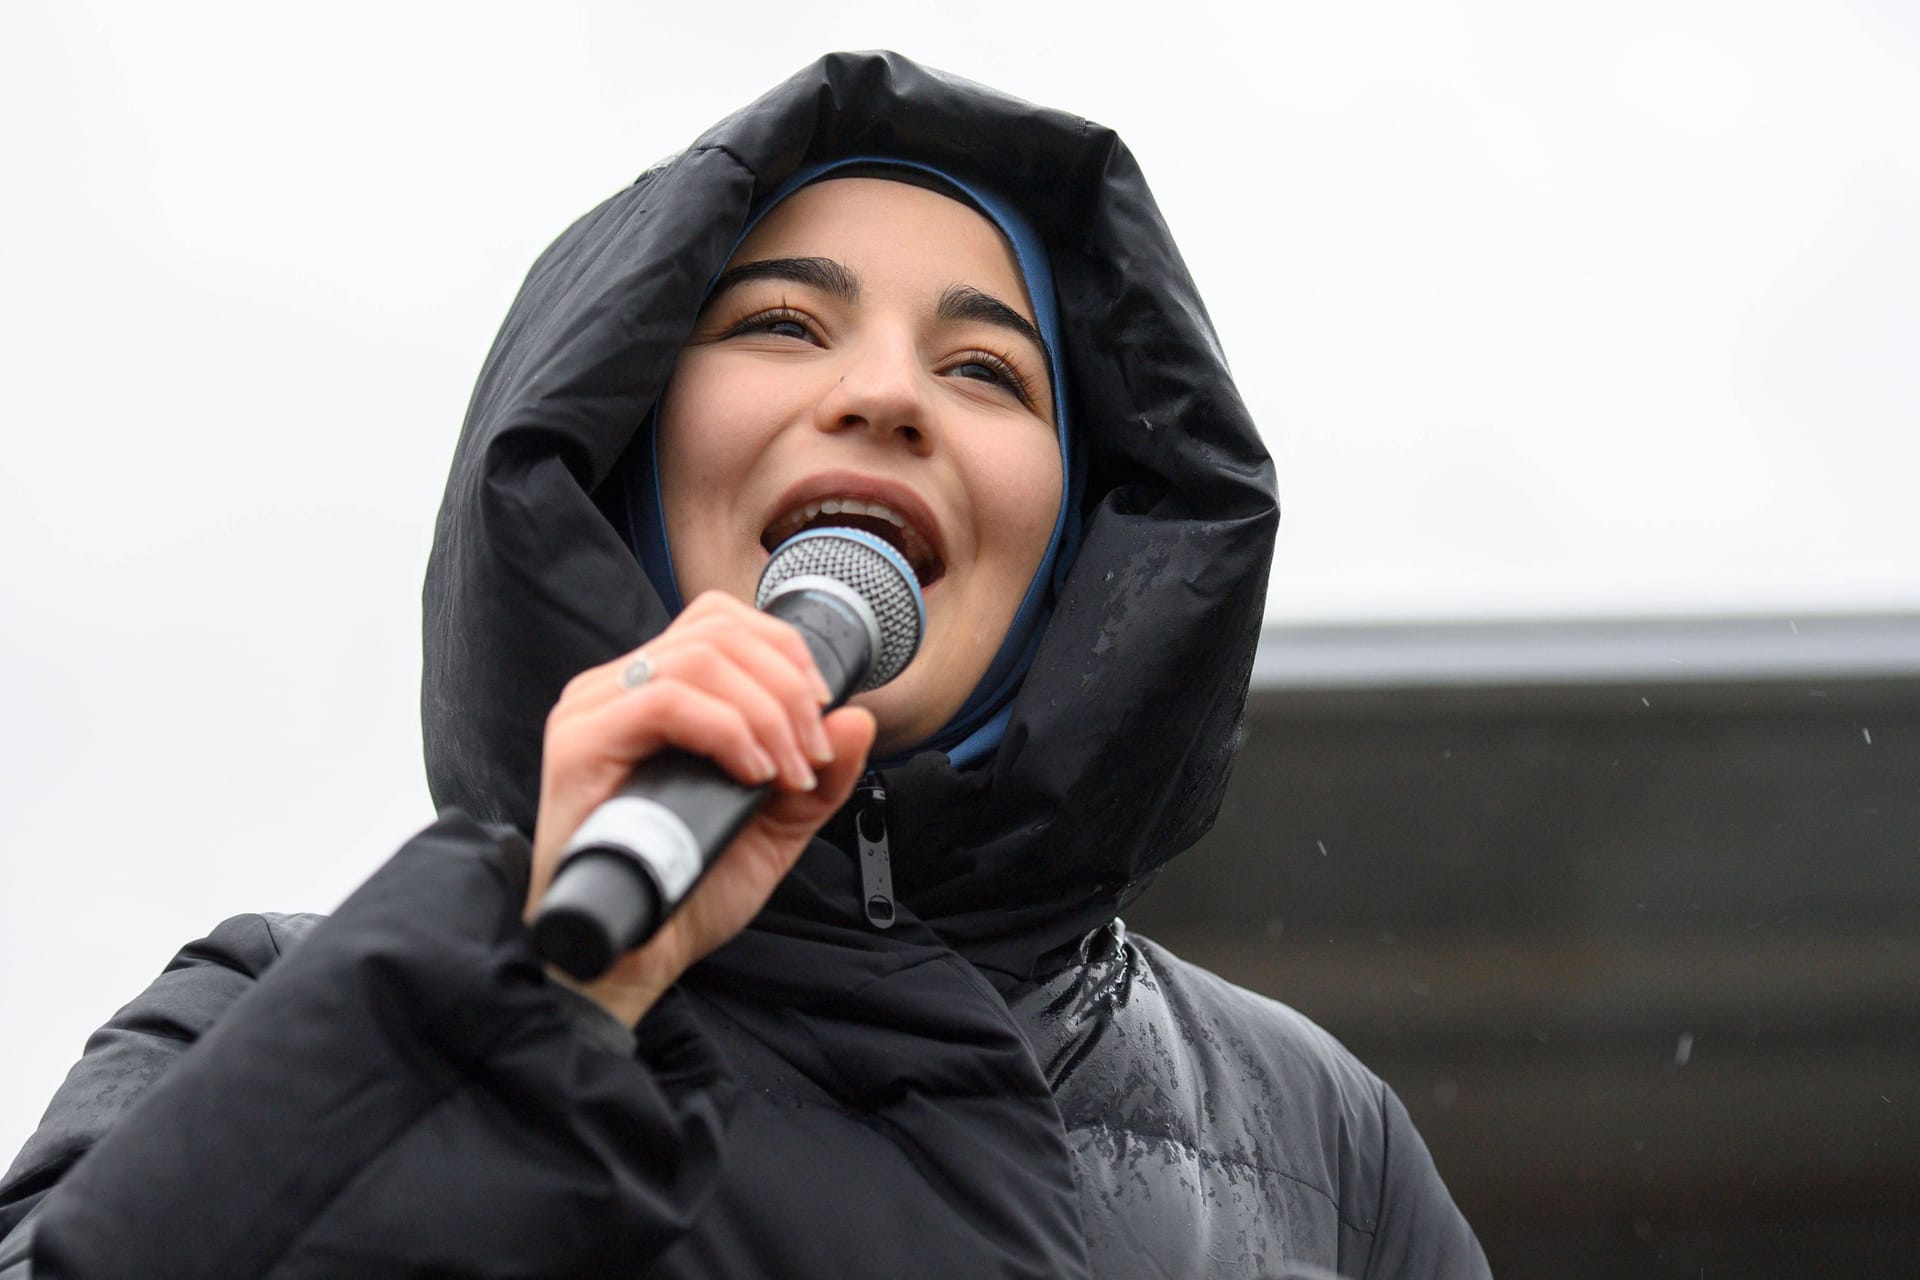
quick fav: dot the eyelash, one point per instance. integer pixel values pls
(1005, 372)
(762, 321)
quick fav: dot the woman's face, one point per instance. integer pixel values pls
(871, 343)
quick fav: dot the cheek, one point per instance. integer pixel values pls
(1021, 491)
(702, 427)
(708, 441)
(717, 419)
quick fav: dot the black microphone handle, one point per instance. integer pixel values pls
(631, 864)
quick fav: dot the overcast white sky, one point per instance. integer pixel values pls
(1545, 309)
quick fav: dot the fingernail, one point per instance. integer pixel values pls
(764, 769)
(817, 744)
(807, 781)
(821, 693)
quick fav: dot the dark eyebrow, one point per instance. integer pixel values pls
(964, 302)
(824, 274)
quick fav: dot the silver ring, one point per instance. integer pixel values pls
(637, 672)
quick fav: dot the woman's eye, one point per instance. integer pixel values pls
(979, 366)
(976, 369)
(778, 324)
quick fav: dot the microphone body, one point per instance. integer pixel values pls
(857, 605)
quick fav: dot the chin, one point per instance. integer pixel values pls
(903, 719)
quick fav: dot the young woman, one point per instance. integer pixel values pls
(877, 296)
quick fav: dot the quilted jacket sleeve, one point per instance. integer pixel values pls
(403, 1092)
(1420, 1230)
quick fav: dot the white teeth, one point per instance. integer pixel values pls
(845, 506)
(851, 507)
(911, 543)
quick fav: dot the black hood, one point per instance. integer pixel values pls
(1121, 739)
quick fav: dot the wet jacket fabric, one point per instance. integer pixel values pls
(1003, 1083)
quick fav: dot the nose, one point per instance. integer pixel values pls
(880, 388)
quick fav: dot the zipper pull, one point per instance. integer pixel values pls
(876, 863)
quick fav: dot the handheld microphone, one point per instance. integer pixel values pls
(857, 604)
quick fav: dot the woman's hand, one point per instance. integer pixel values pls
(734, 685)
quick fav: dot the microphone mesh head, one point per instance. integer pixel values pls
(875, 572)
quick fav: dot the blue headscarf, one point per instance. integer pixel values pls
(976, 728)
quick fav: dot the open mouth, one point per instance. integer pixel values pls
(868, 516)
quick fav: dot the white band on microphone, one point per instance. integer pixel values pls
(664, 843)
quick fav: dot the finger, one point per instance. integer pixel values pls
(852, 731)
(664, 713)
(769, 650)
(777, 656)
(743, 680)
(718, 657)
(771, 666)
(780, 635)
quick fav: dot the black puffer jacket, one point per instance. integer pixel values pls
(1004, 1083)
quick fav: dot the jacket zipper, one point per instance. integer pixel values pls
(876, 862)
